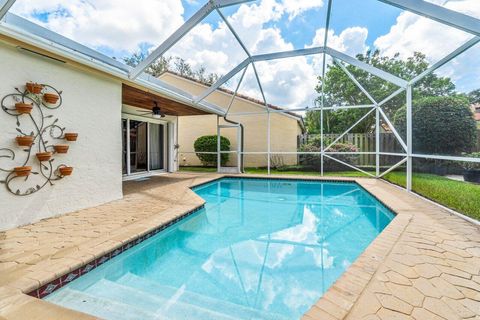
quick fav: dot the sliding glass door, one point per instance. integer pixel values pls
(157, 147)
(143, 146)
(138, 146)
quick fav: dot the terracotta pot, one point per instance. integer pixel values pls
(23, 108)
(65, 171)
(61, 148)
(50, 98)
(71, 136)
(24, 141)
(44, 156)
(22, 171)
(34, 88)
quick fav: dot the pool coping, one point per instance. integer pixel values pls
(339, 299)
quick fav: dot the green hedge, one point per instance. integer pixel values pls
(441, 125)
(313, 161)
(209, 144)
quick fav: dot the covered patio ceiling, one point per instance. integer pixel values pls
(146, 100)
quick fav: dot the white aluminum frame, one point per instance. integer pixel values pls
(5, 5)
(429, 10)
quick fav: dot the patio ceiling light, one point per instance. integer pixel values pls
(156, 112)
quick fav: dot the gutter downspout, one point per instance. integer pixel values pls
(242, 146)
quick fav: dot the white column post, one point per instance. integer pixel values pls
(322, 143)
(239, 149)
(268, 141)
(129, 170)
(409, 138)
(219, 149)
(377, 142)
(148, 146)
(177, 143)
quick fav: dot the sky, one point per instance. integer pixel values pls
(119, 28)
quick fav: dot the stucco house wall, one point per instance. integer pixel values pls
(92, 107)
(284, 128)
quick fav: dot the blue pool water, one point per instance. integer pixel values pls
(260, 249)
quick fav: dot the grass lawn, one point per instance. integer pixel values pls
(197, 169)
(460, 196)
(273, 171)
(306, 173)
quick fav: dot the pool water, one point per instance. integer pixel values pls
(260, 249)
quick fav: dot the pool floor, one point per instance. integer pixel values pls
(260, 249)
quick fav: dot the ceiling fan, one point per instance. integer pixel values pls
(156, 112)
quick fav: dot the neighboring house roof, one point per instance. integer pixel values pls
(245, 97)
(476, 111)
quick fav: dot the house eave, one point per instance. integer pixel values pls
(24, 31)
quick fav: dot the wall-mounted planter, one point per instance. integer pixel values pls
(22, 171)
(61, 148)
(34, 88)
(44, 156)
(70, 136)
(24, 141)
(42, 127)
(23, 108)
(50, 98)
(65, 171)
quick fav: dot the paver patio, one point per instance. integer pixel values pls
(425, 265)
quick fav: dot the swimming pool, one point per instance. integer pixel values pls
(259, 249)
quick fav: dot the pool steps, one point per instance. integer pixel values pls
(132, 297)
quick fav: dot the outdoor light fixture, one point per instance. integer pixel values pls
(156, 112)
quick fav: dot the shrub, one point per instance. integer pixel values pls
(471, 165)
(209, 144)
(313, 161)
(441, 125)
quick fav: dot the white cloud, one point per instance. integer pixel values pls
(351, 41)
(116, 24)
(414, 33)
(297, 7)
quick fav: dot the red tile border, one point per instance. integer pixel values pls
(56, 284)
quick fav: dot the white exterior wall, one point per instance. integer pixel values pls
(92, 107)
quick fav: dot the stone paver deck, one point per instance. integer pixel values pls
(425, 265)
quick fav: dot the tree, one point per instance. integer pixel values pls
(441, 125)
(339, 90)
(156, 69)
(209, 144)
(174, 64)
(182, 67)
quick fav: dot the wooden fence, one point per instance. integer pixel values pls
(365, 142)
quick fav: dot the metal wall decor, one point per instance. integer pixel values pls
(39, 145)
